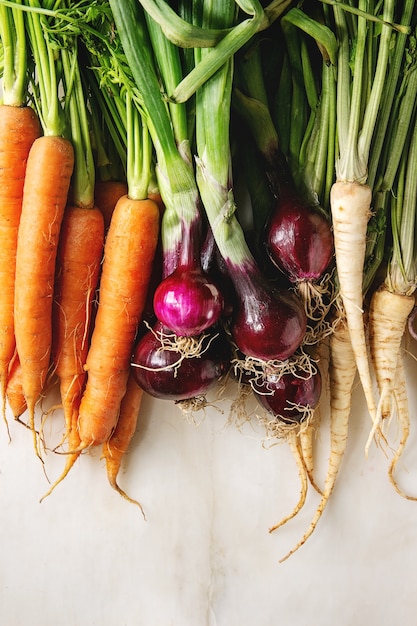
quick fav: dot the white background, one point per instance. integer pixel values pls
(204, 557)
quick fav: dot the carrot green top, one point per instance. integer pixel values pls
(14, 56)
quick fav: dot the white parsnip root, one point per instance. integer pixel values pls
(342, 371)
(351, 210)
(388, 317)
(307, 437)
(294, 443)
(403, 418)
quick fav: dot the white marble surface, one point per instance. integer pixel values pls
(204, 557)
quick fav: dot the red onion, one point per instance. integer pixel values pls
(285, 396)
(165, 373)
(214, 265)
(299, 239)
(188, 301)
(298, 235)
(267, 323)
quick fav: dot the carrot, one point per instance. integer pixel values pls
(129, 253)
(128, 257)
(107, 193)
(19, 127)
(48, 175)
(156, 197)
(14, 390)
(72, 440)
(80, 251)
(117, 445)
(78, 265)
(342, 371)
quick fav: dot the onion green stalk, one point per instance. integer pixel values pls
(186, 301)
(180, 32)
(175, 173)
(258, 305)
(169, 64)
(370, 17)
(296, 214)
(214, 159)
(311, 157)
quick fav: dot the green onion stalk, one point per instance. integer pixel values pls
(267, 325)
(175, 174)
(187, 301)
(226, 41)
(297, 231)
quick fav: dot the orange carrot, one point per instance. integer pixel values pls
(78, 265)
(73, 441)
(156, 197)
(48, 175)
(128, 257)
(14, 389)
(19, 127)
(117, 445)
(79, 257)
(106, 195)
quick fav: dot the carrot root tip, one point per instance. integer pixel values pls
(113, 483)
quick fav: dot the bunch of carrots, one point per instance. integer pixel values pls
(130, 269)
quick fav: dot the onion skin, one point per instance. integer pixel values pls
(213, 264)
(267, 323)
(299, 239)
(278, 395)
(164, 378)
(188, 302)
